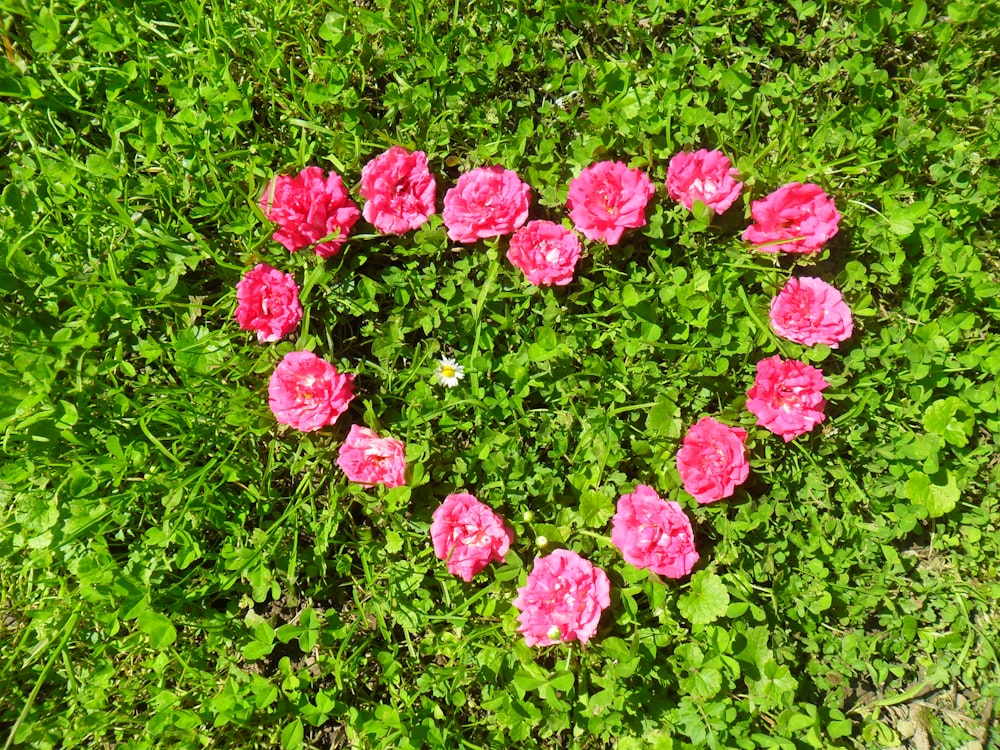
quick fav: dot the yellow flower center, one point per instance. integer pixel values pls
(447, 371)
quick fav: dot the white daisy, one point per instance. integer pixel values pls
(448, 372)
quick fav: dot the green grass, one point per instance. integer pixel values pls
(177, 570)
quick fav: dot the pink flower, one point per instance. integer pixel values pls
(309, 207)
(608, 198)
(486, 202)
(705, 176)
(810, 311)
(562, 599)
(267, 302)
(712, 460)
(468, 535)
(797, 218)
(307, 393)
(786, 396)
(653, 533)
(399, 190)
(547, 252)
(368, 459)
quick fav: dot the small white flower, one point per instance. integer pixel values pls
(448, 372)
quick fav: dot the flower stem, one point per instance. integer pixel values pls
(603, 538)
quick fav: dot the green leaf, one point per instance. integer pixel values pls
(291, 735)
(702, 213)
(546, 338)
(334, 27)
(630, 297)
(756, 651)
(707, 599)
(310, 622)
(702, 683)
(37, 513)
(960, 12)
(901, 226)
(46, 34)
(158, 627)
(22, 87)
(527, 682)
(545, 346)
(69, 417)
(951, 418)
(23, 266)
(393, 542)
(665, 418)
(775, 688)
(554, 534)
(840, 728)
(288, 631)
(397, 498)
(104, 38)
(938, 493)
(132, 606)
(562, 680)
(100, 166)
(200, 349)
(917, 14)
(264, 692)
(262, 643)
(596, 508)
(795, 721)
(256, 650)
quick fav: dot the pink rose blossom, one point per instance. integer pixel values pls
(468, 535)
(547, 252)
(705, 176)
(309, 207)
(368, 459)
(606, 199)
(486, 202)
(797, 218)
(654, 533)
(307, 392)
(712, 460)
(809, 311)
(399, 190)
(267, 302)
(562, 599)
(786, 396)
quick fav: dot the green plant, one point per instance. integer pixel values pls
(177, 571)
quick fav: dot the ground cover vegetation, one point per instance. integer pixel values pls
(179, 568)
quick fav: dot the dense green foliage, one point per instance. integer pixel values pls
(177, 570)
